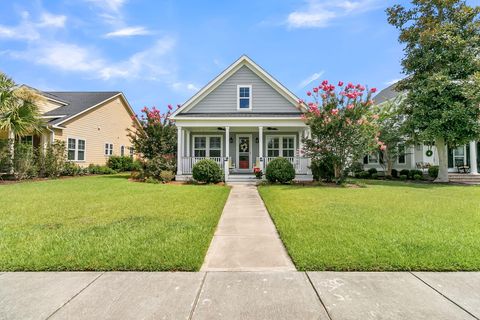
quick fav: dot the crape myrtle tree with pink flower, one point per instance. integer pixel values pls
(155, 141)
(342, 125)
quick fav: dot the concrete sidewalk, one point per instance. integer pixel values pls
(239, 295)
(246, 238)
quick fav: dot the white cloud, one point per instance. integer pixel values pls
(320, 13)
(310, 79)
(110, 5)
(31, 30)
(129, 32)
(182, 86)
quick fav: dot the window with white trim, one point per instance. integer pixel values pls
(26, 140)
(108, 149)
(244, 97)
(280, 146)
(122, 151)
(76, 149)
(131, 152)
(401, 159)
(207, 146)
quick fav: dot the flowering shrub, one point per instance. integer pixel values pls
(157, 135)
(258, 173)
(341, 124)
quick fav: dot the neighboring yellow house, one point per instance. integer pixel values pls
(93, 125)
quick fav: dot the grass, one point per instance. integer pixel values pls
(106, 223)
(385, 226)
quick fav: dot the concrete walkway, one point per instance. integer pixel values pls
(240, 295)
(246, 238)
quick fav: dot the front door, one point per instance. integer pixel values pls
(244, 151)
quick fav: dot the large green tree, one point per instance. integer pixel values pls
(442, 68)
(19, 111)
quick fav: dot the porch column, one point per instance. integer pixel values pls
(473, 157)
(260, 146)
(301, 136)
(179, 150)
(187, 142)
(227, 142)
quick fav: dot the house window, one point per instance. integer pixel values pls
(207, 146)
(122, 151)
(131, 152)
(401, 154)
(76, 149)
(26, 140)
(244, 98)
(108, 149)
(371, 158)
(280, 146)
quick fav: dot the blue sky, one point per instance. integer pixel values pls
(161, 52)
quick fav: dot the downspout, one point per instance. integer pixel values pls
(52, 134)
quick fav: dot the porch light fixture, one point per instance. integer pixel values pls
(231, 139)
(256, 140)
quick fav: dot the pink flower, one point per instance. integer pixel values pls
(340, 83)
(334, 112)
(373, 90)
(324, 82)
(309, 93)
(375, 116)
(170, 107)
(350, 106)
(383, 147)
(324, 96)
(315, 90)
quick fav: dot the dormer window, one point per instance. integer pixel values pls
(244, 93)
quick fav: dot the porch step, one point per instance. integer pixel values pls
(242, 178)
(464, 178)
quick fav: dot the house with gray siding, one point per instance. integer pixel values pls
(242, 119)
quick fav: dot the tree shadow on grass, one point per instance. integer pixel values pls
(124, 176)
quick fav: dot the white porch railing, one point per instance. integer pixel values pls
(189, 162)
(300, 164)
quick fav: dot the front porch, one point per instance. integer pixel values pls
(238, 150)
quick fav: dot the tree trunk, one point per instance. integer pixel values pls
(442, 160)
(389, 167)
(11, 149)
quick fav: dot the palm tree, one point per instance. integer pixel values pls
(19, 112)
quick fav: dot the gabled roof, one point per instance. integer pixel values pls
(77, 103)
(387, 94)
(244, 60)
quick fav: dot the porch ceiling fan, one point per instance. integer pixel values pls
(272, 129)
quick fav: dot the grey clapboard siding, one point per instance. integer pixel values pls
(224, 97)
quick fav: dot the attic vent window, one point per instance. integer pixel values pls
(244, 97)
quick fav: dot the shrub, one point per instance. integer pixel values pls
(153, 167)
(123, 163)
(418, 177)
(374, 175)
(403, 177)
(71, 169)
(395, 173)
(207, 171)
(24, 162)
(138, 175)
(53, 160)
(415, 172)
(323, 169)
(364, 175)
(167, 175)
(356, 167)
(433, 172)
(404, 172)
(281, 170)
(96, 169)
(372, 171)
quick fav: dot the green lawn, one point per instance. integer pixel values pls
(106, 223)
(385, 226)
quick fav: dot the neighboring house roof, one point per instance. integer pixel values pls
(244, 60)
(387, 94)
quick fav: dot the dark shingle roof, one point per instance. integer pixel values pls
(241, 115)
(387, 94)
(77, 103)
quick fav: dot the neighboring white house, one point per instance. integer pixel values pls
(242, 119)
(422, 155)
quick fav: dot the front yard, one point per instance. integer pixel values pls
(106, 223)
(385, 226)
